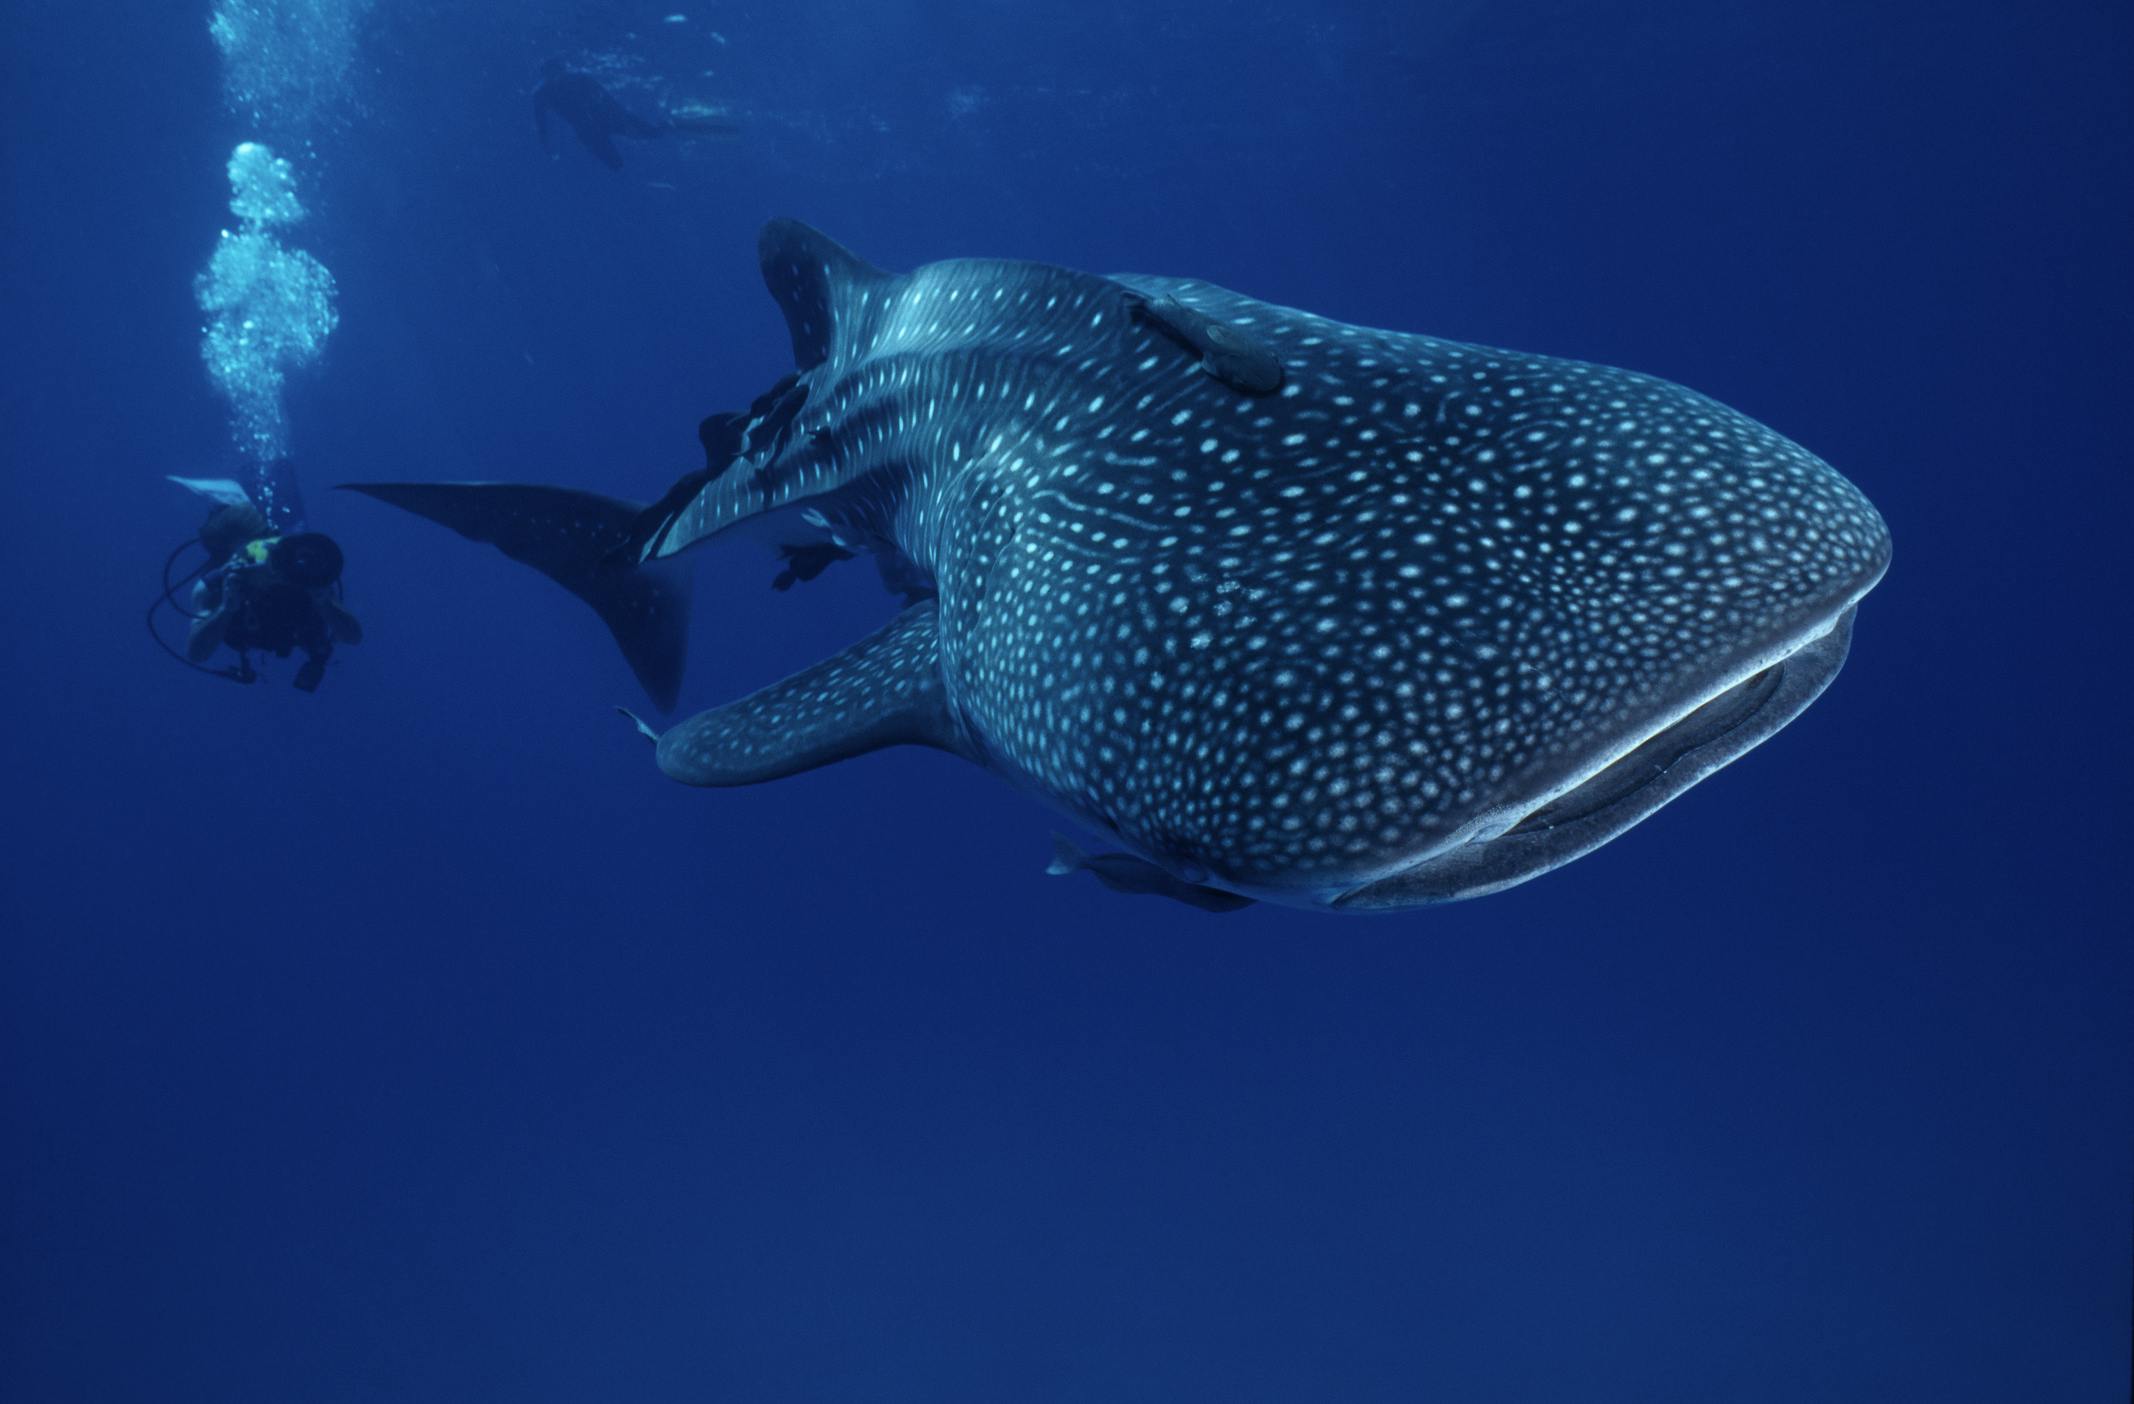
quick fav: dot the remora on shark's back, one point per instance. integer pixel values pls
(1288, 608)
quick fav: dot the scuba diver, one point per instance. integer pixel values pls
(258, 591)
(594, 115)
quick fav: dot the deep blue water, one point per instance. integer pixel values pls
(416, 1040)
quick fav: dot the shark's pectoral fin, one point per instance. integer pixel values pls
(885, 690)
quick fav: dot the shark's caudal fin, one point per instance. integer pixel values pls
(822, 287)
(573, 538)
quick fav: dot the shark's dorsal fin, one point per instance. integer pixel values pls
(885, 690)
(819, 284)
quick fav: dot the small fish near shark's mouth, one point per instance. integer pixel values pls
(1621, 791)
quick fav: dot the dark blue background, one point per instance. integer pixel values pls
(417, 1041)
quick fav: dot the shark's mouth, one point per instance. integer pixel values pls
(1650, 762)
(1623, 790)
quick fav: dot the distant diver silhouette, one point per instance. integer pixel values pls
(596, 118)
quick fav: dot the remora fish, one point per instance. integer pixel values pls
(1290, 609)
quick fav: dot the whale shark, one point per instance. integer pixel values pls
(1286, 609)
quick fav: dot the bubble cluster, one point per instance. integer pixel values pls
(262, 186)
(269, 308)
(285, 62)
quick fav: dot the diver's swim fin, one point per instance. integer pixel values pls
(572, 538)
(221, 491)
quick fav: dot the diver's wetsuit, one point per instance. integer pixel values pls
(592, 113)
(248, 603)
